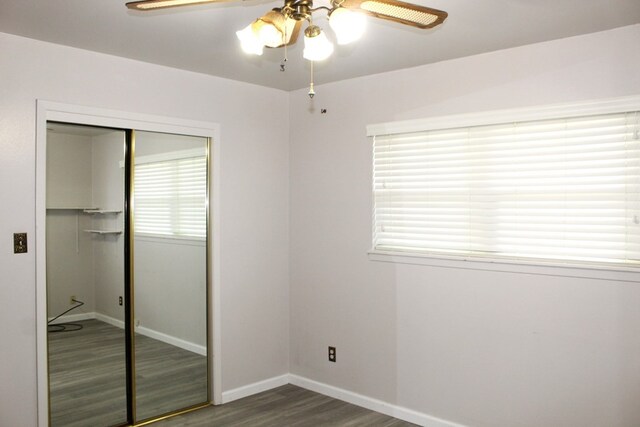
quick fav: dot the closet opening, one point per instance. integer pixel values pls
(127, 275)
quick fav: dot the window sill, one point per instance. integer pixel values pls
(170, 240)
(619, 273)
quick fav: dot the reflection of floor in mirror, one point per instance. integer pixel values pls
(87, 376)
(167, 378)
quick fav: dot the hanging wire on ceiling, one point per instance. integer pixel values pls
(284, 61)
(311, 91)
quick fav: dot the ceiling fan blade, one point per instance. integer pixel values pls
(162, 4)
(398, 11)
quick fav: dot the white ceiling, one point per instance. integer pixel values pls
(202, 38)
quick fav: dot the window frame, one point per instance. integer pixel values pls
(487, 261)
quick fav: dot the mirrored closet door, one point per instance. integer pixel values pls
(85, 276)
(170, 272)
(127, 275)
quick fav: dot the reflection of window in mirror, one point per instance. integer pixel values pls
(171, 194)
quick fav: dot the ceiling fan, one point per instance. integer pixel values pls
(281, 26)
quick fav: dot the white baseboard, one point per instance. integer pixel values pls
(110, 320)
(370, 403)
(177, 342)
(74, 318)
(254, 388)
(340, 394)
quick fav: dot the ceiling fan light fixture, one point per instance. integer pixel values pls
(280, 27)
(249, 40)
(316, 45)
(348, 26)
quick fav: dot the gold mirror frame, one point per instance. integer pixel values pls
(130, 287)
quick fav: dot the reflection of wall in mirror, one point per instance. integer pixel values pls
(170, 274)
(158, 143)
(108, 193)
(170, 291)
(83, 172)
(86, 171)
(69, 250)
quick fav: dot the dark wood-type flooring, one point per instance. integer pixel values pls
(289, 406)
(87, 377)
(87, 388)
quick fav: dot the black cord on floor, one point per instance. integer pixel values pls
(65, 327)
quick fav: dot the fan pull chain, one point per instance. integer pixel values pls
(284, 61)
(311, 91)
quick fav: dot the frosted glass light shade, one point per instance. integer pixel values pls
(249, 40)
(347, 25)
(270, 36)
(316, 45)
(272, 28)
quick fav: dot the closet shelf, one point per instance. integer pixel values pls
(70, 208)
(102, 211)
(104, 231)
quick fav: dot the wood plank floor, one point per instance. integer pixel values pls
(87, 377)
(167, 378)
(87, 388)
(284, 406)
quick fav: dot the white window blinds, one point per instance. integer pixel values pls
(560, 189)
(170, 197)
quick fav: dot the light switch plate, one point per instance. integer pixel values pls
(19, 243)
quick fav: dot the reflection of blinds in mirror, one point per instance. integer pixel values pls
(170, 197)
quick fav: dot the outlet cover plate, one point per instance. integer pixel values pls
(332, 354)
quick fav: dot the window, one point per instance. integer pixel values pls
(565, 189)
(170, 196)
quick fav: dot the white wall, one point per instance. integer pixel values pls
(108, 249)
(481, 348)
(69, 249)
(148, 143)
(170, 291)
(69, 263)
(69, 178)
(254, 199)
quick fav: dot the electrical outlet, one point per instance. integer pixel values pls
(119, 300)
(332, 354)
(72, 299)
